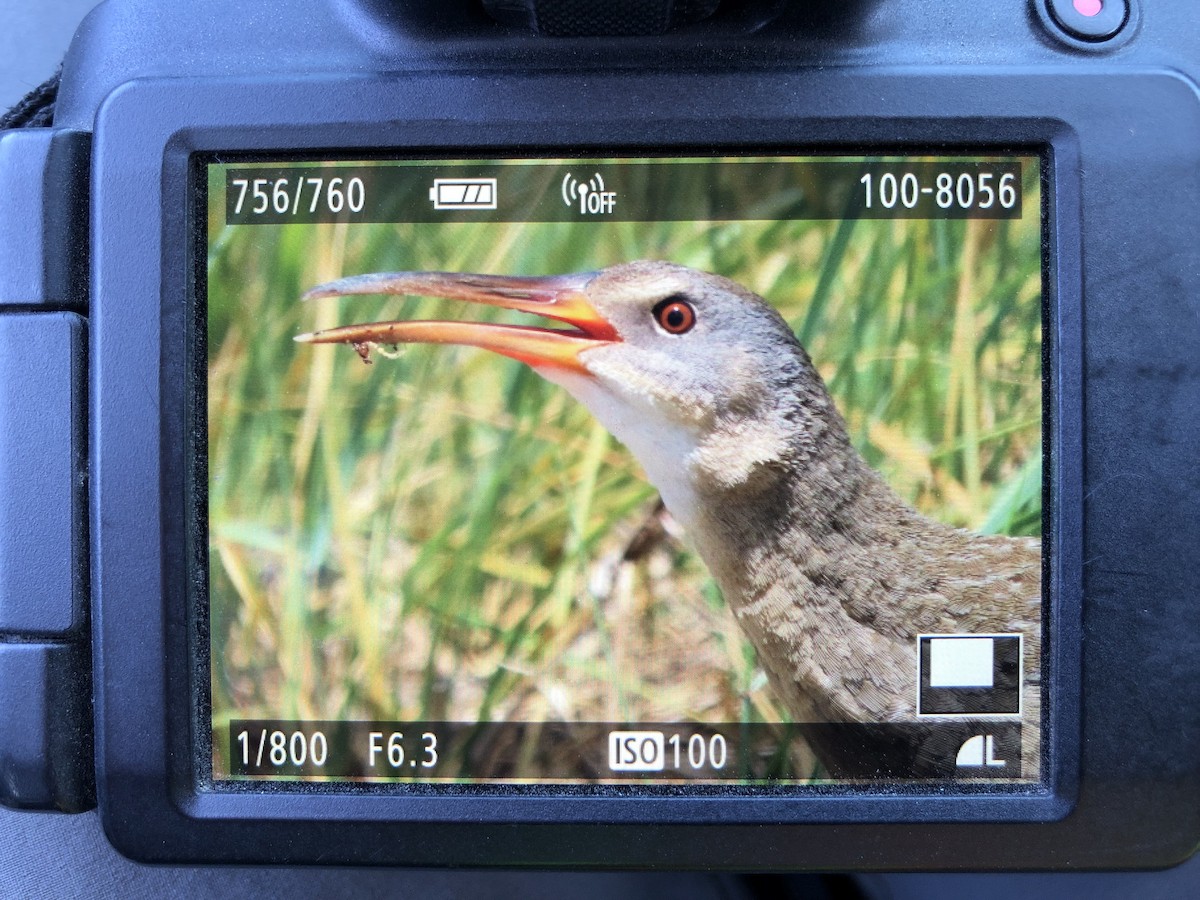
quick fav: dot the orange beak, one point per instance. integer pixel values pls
(558, 297)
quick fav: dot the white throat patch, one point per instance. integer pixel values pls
(665, 448)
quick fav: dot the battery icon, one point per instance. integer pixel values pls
(463, 193)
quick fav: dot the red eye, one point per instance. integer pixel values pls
(675, 316)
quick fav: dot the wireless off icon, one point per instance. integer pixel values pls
(589, 196)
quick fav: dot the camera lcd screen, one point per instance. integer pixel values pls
(622, 471)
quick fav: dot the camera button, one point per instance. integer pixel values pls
(1090, 20)
(44, 218)
(46, 754)
(42, 466)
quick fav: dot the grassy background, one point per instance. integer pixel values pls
(444, 535)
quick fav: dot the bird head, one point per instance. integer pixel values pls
(700, 378)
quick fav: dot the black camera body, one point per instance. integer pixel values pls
(104, 617)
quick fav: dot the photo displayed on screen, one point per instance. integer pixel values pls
(623, 470)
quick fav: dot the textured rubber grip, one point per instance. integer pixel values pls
(566, 18)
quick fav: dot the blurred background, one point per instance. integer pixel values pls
(443, 535)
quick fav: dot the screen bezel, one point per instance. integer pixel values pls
(436, 794)
(196, 459)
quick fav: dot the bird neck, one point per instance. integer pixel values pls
(798, 549)
(813, 494)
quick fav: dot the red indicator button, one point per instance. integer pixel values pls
(1094, 21)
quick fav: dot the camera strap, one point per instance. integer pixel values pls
(36, 109)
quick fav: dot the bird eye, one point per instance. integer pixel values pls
(676, 316)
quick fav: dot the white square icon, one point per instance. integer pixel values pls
(961, 662)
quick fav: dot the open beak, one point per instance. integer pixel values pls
(558, 297)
